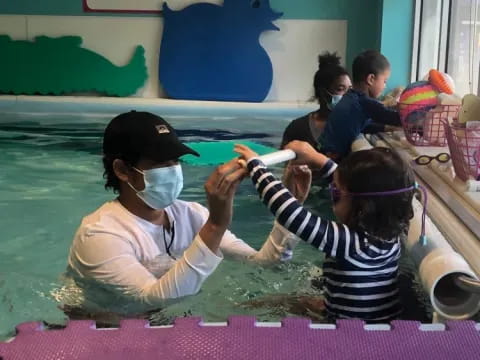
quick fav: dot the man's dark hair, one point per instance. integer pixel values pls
(112, 181)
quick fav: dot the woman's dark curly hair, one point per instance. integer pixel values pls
(329, 70)
(378, 170)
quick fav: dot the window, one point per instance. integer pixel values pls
(447, 38)
(464, 47)
(431, 18)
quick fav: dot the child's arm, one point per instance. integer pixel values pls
(379, 113)
(327, 236)
(307, 155)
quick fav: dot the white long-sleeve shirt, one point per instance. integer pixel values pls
(129, 255)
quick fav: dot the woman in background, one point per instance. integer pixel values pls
(331, 81)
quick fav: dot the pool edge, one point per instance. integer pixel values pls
(111, 105)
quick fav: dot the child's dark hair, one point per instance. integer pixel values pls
(378, 170)
(329, 69)
(368, 62)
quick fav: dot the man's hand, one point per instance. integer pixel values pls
(220, 189)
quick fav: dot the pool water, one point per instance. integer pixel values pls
(51, 176)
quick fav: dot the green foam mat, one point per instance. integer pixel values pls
(219, 152)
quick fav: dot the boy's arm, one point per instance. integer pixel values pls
(374, 128)
(341, 130)
(379, 113)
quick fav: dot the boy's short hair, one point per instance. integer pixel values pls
(368, 62)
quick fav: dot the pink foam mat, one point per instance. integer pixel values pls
(243, 338)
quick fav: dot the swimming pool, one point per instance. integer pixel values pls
(51, 176)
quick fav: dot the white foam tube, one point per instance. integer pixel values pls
(277, 157)
(439, 267)
(273, 158)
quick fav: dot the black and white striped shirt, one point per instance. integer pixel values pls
(360, 278)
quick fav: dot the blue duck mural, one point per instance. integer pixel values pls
(211, 52)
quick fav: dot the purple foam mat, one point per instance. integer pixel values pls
(243, 338)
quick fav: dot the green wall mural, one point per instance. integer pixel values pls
(61, 66)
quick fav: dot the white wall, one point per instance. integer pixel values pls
(293, 50)
(294, 54)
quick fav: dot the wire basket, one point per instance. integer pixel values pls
(424, 124)
(464, 145)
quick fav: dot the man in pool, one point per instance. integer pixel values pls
(146, 245)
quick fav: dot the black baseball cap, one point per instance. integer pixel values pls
(142, 135)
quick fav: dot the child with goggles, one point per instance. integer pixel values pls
(372, 192)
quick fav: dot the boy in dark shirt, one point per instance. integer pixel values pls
(359, 107)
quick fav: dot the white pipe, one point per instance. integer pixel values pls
(277, 157)
(473, 186)
(457, 220)
(445, 172)
(273, 158)
(438, 266)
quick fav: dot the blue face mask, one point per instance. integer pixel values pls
(335, 100)
(162, 186)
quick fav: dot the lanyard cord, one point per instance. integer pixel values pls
(167, 247)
